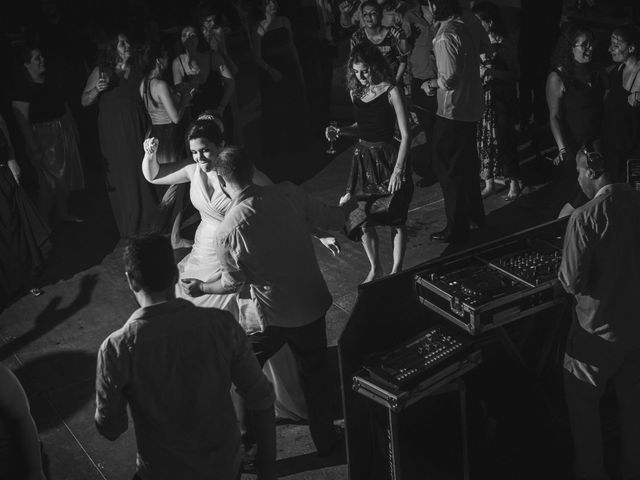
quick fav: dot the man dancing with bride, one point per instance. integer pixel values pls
(205, 138)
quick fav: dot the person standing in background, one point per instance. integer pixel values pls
(50, 134)
(460, 106)
(621, 115)
(601, 268)
(420, 30)
(496, 132)
(122, 122)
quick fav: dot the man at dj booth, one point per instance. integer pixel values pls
(601, 268)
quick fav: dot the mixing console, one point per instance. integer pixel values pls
(413, 360)
(497, 283)
(530, 266)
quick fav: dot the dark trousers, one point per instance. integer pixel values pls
(425, 109)
(458, 169)
(309, 346)
(506, 137)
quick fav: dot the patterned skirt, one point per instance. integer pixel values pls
(488, 140)
(60, 163)
(371, 168)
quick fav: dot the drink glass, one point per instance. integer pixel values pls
(332, 134)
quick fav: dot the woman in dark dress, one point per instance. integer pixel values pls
(575, 92)
(379, 178)
(24, 235)
(284, 107)
(50, 134)
(204, 71)
(122, 123)
(621, 120)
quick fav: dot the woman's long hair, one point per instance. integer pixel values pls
(370, 56)
(490, 13)
(151, 53)
(108, 52)
(562, 59)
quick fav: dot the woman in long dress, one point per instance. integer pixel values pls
(204, 70)
(50, 135)
(575, 96)
(205, 139)
(122, 123)
(24, 235)
(284, 119)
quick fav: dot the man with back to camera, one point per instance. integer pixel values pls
(264, 243)
(173, 363)
(460, 106)
(601, 268)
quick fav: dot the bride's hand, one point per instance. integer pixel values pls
(150, 146)
(192, 287)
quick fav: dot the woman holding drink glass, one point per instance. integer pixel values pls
(379, 178)
(122, 123)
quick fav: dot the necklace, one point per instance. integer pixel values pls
(369, 90)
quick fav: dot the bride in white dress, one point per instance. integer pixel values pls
(202, 263)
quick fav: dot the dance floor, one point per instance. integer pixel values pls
(51, 341)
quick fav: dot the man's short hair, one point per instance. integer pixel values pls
(445, 8)
(594, 160)
(233, 164)
(148, 259)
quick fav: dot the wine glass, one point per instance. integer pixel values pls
(332, 135)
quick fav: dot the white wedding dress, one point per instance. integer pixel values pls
(202, 263)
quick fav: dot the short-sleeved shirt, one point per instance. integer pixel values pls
(390, 46)
(460, 94)
(173, 363)
(601, 264)
(264, 242)
(45, 100)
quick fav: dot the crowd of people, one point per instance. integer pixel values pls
(170, 134)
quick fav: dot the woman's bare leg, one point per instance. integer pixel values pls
(399, 241)
(370, 244)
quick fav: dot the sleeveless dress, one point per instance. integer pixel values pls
(581, 108)
(202, 263)
(372, 163)
(284, 119)
(122, 123)
(620, 126)
(24, 235)
(162, 128)
(209, 93)
(496, 148)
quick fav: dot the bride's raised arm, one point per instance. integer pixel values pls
(167, 173)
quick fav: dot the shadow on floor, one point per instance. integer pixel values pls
(50, 378)
(52, 316)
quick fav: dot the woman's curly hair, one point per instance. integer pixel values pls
(379, 68)
(108, 51)
(562, 59)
